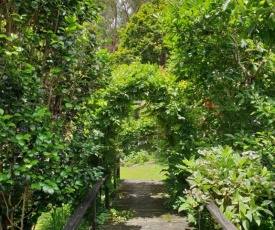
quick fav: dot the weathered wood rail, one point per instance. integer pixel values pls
(91, 198)
(218, 216)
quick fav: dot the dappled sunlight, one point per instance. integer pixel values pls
(145, 199)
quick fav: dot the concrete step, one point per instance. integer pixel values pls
(146, 201)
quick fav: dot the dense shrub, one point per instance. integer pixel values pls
(241, 186)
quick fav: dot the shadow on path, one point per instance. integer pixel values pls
(145, 200)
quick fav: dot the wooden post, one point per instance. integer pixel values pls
(200, 221)
(115, 176)
(118, 167)
(94, 214)
(107, 196)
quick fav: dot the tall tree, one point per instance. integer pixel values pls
(143, 37)
(226, 49)
(115, 16)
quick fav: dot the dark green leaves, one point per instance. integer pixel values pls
(50, 65)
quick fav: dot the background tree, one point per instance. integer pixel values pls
(142, 39)
(115, 16)
(225, 49)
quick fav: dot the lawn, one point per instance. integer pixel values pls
(145, 172)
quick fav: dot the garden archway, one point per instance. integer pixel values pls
(139, 82)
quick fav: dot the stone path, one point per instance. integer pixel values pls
(145, 200)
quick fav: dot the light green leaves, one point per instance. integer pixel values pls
(71, 19)
(225, 4)
(72, 24)
(22, 138)
(244, 189)
(47, 186)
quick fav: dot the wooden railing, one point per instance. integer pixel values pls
(218, 216)
(91, 198)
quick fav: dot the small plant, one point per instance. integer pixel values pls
(120, 216)
(55, 219)
(237, 182)
(103, 215)
(166, 217)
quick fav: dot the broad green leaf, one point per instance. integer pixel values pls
(245, 199)
(57, 69)
(267, 211)
(225, 5)
(6, 117)
(2, 176)
(36, 186)
(265, 171)
(10, 124)
(68, 105)
(26, 136)
(3, 36)
(257, 218)
(48, 189)
(245, 224)
(71, 19)
(237, 196)
(249, 215)
(242, 207)
(19, 137)
(266, 202)
(34, 4)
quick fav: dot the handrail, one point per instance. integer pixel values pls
(84, 205)
(219, 217)
(82, 208)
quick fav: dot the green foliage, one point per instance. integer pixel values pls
(50, 66)
(225, 49)
(143, 37)
(55, 219)
(134, 158)
(120, 216)
(241, 186)
(162, 100)
(115, 16)
(61, 117)
(138, 128)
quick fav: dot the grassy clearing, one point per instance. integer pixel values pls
(145, 172)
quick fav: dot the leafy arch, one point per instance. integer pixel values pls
(164, 96)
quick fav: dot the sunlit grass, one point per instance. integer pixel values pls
(144, 172)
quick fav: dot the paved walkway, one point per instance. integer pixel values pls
(145, 199)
